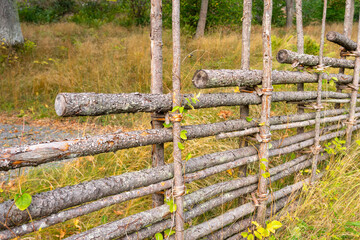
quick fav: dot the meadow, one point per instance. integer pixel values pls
(66, 57)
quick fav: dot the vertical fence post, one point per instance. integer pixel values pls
(179, 187)
(265, 113)
(156, 85)
(348, 23)
(245, 64)
(317, 147)
(300, 50)
(355, 88)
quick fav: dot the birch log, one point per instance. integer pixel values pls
(341, 40)
(355, 88)
(287, 56)
(93, 104)
(71, 196)
(265, 134)
(157, 153)
(34, 155)
(206, 78)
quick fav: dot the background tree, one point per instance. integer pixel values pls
(10, 30)
(202, 19)
(289, 13)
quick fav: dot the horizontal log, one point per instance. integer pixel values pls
(285, 126)
(93, 104)
(287, 56)
(34, 155)
(242, 225)
(341, 40)
(70, 196)
(242, 186)
(206, 78)
(230, 216)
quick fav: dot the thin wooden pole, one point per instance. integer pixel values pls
(179, 188)
(300, 50)
(156, 85)
(316, 148)
(355, 88)
(245, 64)
(265, 113)
(348, 23)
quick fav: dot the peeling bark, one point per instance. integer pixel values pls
(206, 78)
(287, 56)
(341, 40)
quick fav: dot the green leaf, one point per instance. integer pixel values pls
(266, 175)
(244, 234)
(249, 119)
(257, 234)
(159, 236)
(270, 145)
(264, 160)
(255, 223)
(23, 201)
(167, 125)
(181, 109)
(181, 146)
(276, 224)
(358, 142)
(250, 237)
(262, 166)
(104, 219)
(262, 124)
(190, 116)
(169, 232)
(292, 156)
(188, 157)
(173, 208)
(1, 190)
(335, 79)
(264, 232)
(183, 134)
(193, 100)
(175, 108)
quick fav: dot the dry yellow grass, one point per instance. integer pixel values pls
(112, 59)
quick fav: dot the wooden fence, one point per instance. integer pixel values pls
(59, 205)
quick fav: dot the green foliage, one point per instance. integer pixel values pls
(37, 12)
(311, 46)
(171, 204)
(22, 201)
(262, 233)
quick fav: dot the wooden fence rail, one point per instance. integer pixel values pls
(62, 204)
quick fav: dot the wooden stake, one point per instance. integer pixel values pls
(265, 113)
(355, 88)
(316, 148)
(179, 188)
(300, 50)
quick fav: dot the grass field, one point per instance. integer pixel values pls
(65, 57)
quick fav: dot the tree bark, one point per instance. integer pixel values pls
(287, 56)
(289, 13)
(300, 50)
(341, 40)
(179, 187)
(34, 155)
(10, 30)
(251, 131)
(265, 134)
(70, 196)
(157, 153)
(202, 19)
(355, 88)
(206, 78)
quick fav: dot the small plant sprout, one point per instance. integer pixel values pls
(22, 201)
